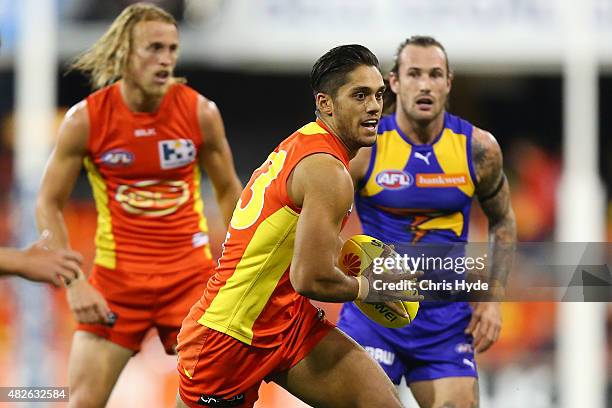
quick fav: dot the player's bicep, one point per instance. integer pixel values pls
(215, 156)
(64, 164)
(492, 187)
(327, 197)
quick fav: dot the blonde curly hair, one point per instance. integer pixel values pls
(106, 61)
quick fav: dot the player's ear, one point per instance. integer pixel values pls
(393, 82)
(449, 80)
(324, 103)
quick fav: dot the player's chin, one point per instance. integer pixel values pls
(367, 136)
(157, 89)
(426, 115)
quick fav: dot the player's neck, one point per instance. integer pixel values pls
(137, 100)
(420, 132)
(328, 122)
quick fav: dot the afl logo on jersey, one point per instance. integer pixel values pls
(117, 158)
(394, 179)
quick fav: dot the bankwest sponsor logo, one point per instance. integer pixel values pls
(441, 180)
(394, 179)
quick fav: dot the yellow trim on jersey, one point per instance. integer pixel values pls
(451, 153)
(313, 128)
(396, 153)
(187, 373)
(452, 222)
(240, 301)
(105, 240)
(198, 206)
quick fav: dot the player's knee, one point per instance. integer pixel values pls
(380, 397)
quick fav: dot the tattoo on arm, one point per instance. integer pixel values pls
(493, 193)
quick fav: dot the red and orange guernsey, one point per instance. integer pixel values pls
(250, 296)
(146, 183)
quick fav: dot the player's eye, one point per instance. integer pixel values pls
(379, 95)
(360, 96)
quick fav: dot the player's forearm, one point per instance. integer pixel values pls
(335, 287)
(49, 217)
(227, 198)
(10, 261)
(502, 234)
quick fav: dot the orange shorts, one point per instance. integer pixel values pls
(226, 372)
(145, 301)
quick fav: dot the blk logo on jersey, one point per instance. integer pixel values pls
(117, 158)
(176, 153)
(144, 132)
(394, 179)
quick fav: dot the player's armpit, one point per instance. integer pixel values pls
(216, 158)
(321, 185)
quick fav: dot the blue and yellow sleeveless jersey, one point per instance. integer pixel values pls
(418, 193)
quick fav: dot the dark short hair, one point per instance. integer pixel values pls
(330, 71)
(420, 41)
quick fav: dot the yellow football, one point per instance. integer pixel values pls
(359, 252)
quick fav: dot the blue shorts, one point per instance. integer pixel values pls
(433, 346)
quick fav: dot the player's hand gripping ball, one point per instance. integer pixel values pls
(356, 256)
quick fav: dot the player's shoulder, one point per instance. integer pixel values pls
(486, 156)
(483, 142)
(206, 107)
(323, 174)
(74, 130)
(77, 115)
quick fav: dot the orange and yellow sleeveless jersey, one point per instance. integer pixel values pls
(145, 178)
(250, 296)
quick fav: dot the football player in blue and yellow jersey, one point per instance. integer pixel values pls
(416, 185)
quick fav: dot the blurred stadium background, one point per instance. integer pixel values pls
(536, 73)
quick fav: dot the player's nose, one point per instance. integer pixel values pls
(373, 106)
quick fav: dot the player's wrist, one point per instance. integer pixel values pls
(363, 288)
(14, 261)
(75, 282)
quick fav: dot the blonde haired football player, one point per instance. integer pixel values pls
(143, 138)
